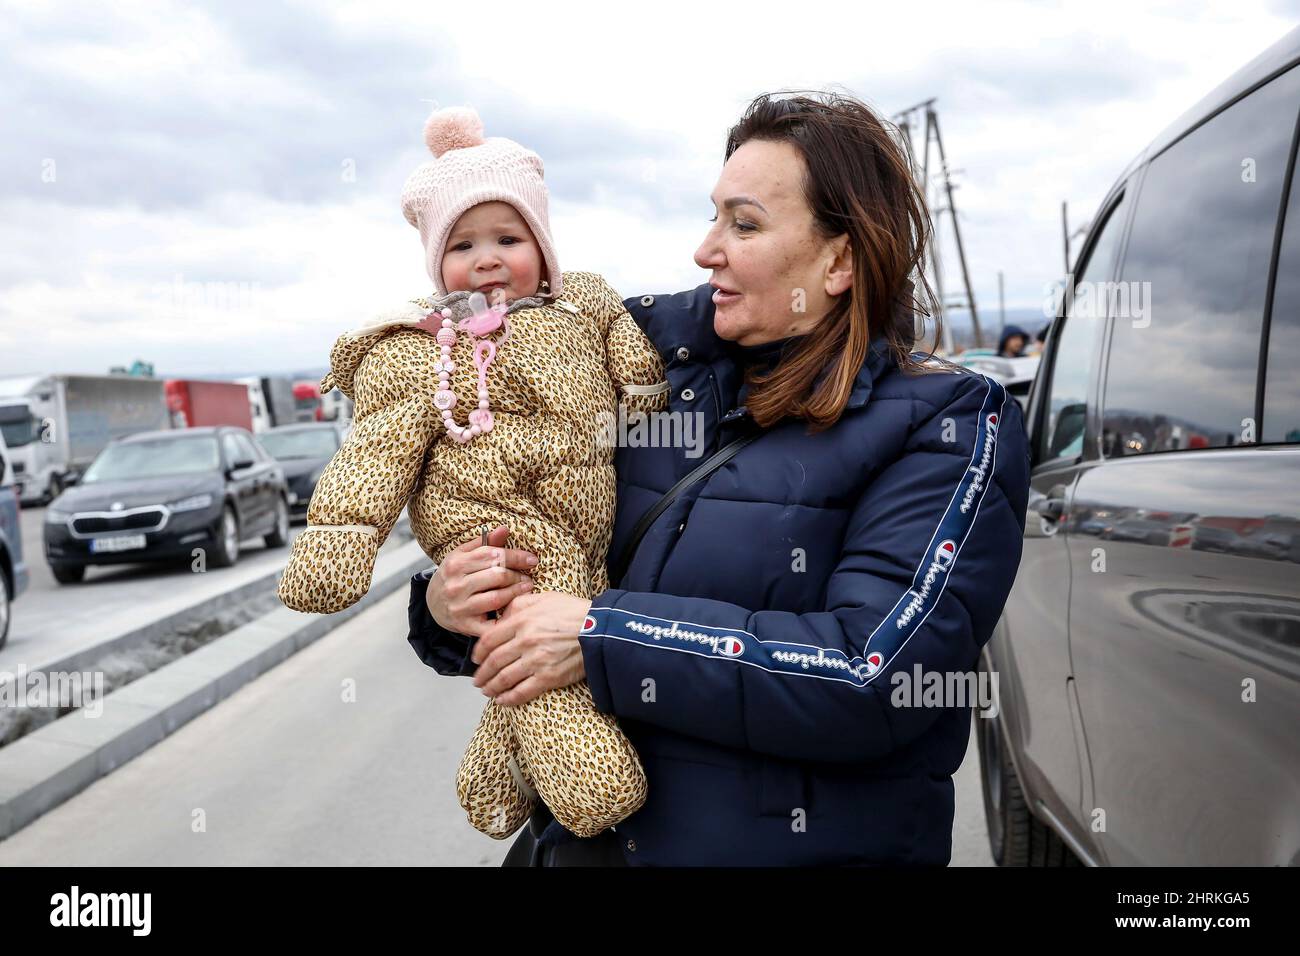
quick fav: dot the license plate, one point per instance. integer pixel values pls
(121, 542)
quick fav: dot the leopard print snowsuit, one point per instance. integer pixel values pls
(545, 470)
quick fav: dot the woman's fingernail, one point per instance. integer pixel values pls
(528, 584)
(532, 559)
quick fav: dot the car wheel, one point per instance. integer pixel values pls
(1016, 836)
(4, 610)
(227, 552)
(279, 537)
(68, 573)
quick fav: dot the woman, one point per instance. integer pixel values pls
(762, 647)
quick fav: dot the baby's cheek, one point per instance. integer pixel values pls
(454, 274)
(526, 270)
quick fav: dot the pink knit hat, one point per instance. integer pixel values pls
(468, 170)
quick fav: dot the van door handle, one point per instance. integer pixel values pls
(1052, 505)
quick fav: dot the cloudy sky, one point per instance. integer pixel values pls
(214, 187)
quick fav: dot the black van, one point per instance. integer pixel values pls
(1148, 659)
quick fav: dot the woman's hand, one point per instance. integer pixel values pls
(532, 648)
(477, 578)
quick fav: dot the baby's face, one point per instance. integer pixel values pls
(492, 250)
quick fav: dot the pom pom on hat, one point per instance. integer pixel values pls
(453, 127)
(467, 170)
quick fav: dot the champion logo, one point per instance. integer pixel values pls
(589, 624)
(731, 647)
(944, 554)
(874, 661)
(979, 473)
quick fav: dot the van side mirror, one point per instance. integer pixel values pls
(1070, 422)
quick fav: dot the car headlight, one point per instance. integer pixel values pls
(57, 517)
(192, 504)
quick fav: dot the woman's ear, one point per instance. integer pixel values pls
(839, 271)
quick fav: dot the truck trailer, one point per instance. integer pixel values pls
(193, 403)
(55, 425)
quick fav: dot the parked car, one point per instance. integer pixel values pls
(1015, 374)
(160, 495)
(1210, 538)
(1149, 666)
(13, 570)
(303, 451)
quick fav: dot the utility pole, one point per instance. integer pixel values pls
(905, 127)
(1002, 308)
(1065, 229)
(1065, 234)
(904, 120)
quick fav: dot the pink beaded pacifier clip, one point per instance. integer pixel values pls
(482, 322)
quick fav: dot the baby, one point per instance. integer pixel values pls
(484, 404)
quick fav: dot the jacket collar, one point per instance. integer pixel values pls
(877, 362)
(684, 320)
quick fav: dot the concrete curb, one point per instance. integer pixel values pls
(46, 767)
(82, 660)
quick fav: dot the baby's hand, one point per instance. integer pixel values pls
(478, 578)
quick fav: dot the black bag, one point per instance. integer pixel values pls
(604, 849)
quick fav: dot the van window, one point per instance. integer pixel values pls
(1072, 360)
(1184, 351)
(1282, 384)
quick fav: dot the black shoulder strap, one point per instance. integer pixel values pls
(708, 467)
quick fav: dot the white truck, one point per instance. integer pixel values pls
(55, 425)
(270, 401)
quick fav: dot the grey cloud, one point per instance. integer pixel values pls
(179, 146)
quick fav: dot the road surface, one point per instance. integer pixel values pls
(51, 621)
(286, 772)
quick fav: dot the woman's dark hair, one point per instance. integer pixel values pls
(858, 181)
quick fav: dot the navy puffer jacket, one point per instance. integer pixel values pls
(751, 649)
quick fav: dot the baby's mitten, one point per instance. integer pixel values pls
(362, 490)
